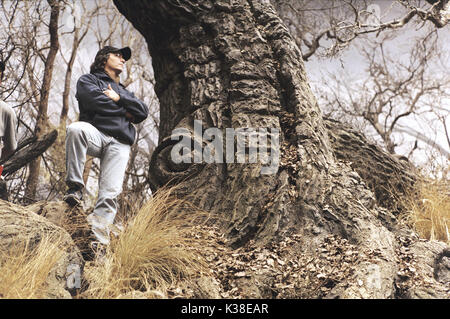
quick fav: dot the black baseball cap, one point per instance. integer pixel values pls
(126, 51)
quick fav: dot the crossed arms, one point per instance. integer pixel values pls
(109, 102)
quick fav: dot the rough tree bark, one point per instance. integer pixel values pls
(231, 64)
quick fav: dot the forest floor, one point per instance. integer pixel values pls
(286, 269)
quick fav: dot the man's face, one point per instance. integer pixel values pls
(115, 62)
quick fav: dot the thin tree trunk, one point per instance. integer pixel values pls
(67, 81)
(42, 119)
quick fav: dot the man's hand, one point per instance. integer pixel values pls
(116, 97)
(111, 93)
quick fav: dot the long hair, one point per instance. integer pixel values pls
(99, 62)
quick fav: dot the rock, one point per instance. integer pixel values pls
(206, 287)
(56, 212)
(442, 267)
(425, 271)
(71, 219)
(19, 224)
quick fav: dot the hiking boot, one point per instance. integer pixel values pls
(73, 197)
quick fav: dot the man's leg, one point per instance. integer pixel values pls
(81, 138)
(113, 163)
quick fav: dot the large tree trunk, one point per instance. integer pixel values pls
(233, 64)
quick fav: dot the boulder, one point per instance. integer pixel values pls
(21, 227)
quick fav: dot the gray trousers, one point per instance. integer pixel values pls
(83, 138)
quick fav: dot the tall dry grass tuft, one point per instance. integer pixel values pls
(24, 269)
(428, 209)
(151, 252)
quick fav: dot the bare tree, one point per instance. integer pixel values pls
(81, 25)
(22, 25)
(394, 95)
(42, 117)
(347, 20)
(393, 91)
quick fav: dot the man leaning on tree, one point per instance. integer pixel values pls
(105, 130)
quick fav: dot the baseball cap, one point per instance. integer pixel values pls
(126, 51)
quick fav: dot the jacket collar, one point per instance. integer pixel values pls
(104, 76)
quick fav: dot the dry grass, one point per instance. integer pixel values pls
(24, 269)
(150, 253)
(428, 209)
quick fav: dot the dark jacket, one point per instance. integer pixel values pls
(102, 112)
